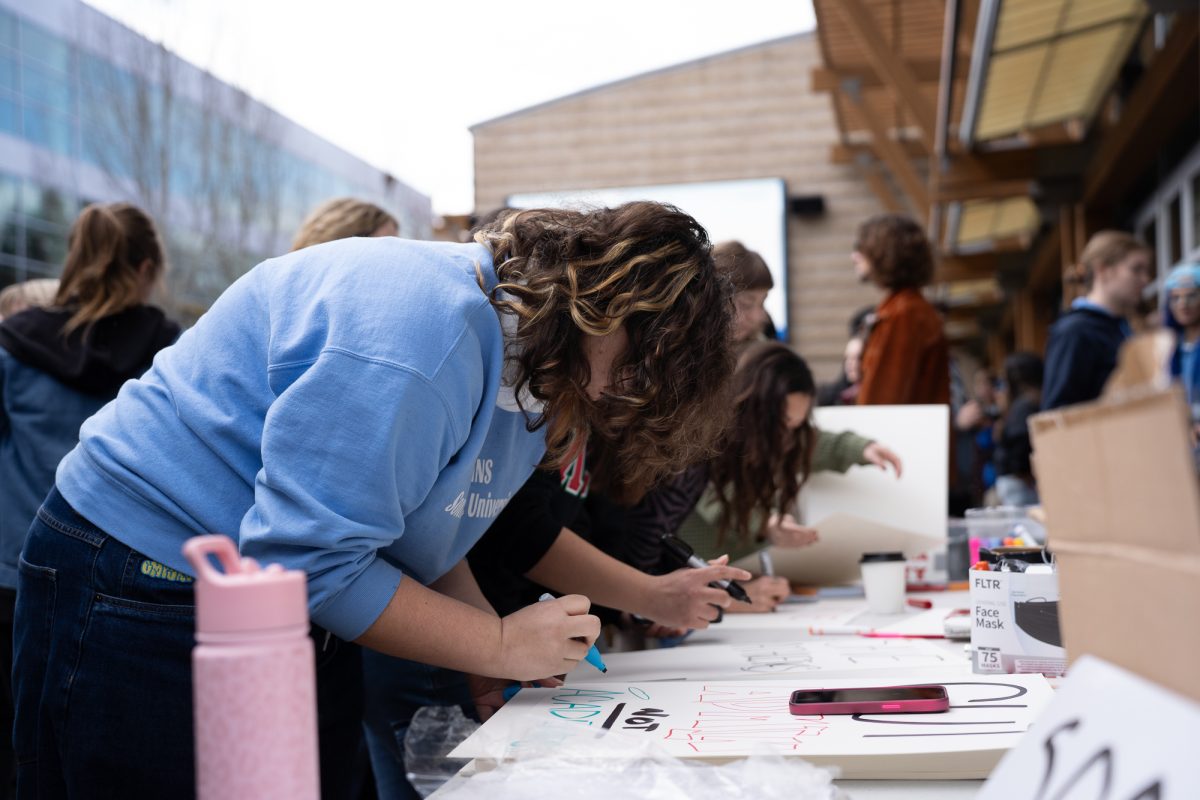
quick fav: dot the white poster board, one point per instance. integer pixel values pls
(1107, 734)
(834, 557)
(752, 211)
(831, 657)
(867, 509)
(713, 719)
(917, 501)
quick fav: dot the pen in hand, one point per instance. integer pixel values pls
(683, 551)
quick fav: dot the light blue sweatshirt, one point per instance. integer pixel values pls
(339, 410)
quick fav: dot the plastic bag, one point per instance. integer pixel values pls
(432, 734)
(651, 777)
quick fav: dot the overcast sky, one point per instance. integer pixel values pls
(398, 82)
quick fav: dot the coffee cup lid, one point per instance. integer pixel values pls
(868, 558)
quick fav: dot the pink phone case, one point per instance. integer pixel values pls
(911, 706)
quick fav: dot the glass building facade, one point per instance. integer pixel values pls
(91, 111)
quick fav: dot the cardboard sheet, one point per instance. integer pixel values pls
(1123, 519)
(714, 719)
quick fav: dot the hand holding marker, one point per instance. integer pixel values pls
(683, 551)
(592, 657)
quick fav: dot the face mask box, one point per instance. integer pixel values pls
(1014, 623)
(1122, 505)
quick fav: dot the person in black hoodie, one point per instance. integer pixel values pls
(1015, 482)
(1082, 350)
(58, 366)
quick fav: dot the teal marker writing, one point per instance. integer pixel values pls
(593, 655)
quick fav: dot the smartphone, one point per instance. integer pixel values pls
(922, 699)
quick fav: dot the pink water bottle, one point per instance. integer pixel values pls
(254, 685)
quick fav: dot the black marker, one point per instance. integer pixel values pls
(683, 551)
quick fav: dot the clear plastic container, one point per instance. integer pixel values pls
(1000, 522)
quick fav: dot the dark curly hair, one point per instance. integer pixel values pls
(898, 250)
(648, 267)
(762, 465)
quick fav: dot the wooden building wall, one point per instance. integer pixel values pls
(750, 113)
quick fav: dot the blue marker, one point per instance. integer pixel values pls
(593, 655)
(510, 691)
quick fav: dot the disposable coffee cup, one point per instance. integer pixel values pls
(883, 581)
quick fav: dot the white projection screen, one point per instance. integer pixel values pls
(754, 212)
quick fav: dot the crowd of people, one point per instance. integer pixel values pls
(437, 433)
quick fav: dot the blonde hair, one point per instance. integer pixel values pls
(36, 293)
(1105, 249)
(106, 249)
(341, 218)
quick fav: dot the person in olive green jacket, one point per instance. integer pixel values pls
(743, 498)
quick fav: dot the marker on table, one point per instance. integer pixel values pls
(683, 551)
(593, 655)
(885, 635)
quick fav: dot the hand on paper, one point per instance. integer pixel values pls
(683, 598)
(547, 638)
(766, 592)
(786, 532)
(656, 631)
(488, 693)
(880, 456)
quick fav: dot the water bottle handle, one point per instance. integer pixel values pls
(198, 549)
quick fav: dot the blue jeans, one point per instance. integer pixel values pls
(102, 675)
(395, 689)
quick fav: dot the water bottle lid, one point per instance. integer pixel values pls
(244, 597)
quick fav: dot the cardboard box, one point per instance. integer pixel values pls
(1122, 504)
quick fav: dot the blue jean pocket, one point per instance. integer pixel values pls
(133, 681)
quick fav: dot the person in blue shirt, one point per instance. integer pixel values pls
(1183, 316)
(360, 410)
(1082, 349)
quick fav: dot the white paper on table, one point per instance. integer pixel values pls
(795, 617)
(917, 501)
(1107, 734)
(843, 656)
(834, 557)
(715, 719)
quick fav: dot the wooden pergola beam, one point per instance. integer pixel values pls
(983, 190)
(1045, 269)
(827, 79)
(1163, 97)
(889, 67)
(952, 268)
(891, 154)
(876, 180)
(850, 152)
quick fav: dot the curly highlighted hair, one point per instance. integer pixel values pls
(898, 250)
(644, 266)
(762, 465)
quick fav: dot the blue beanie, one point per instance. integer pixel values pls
(1184, 276)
